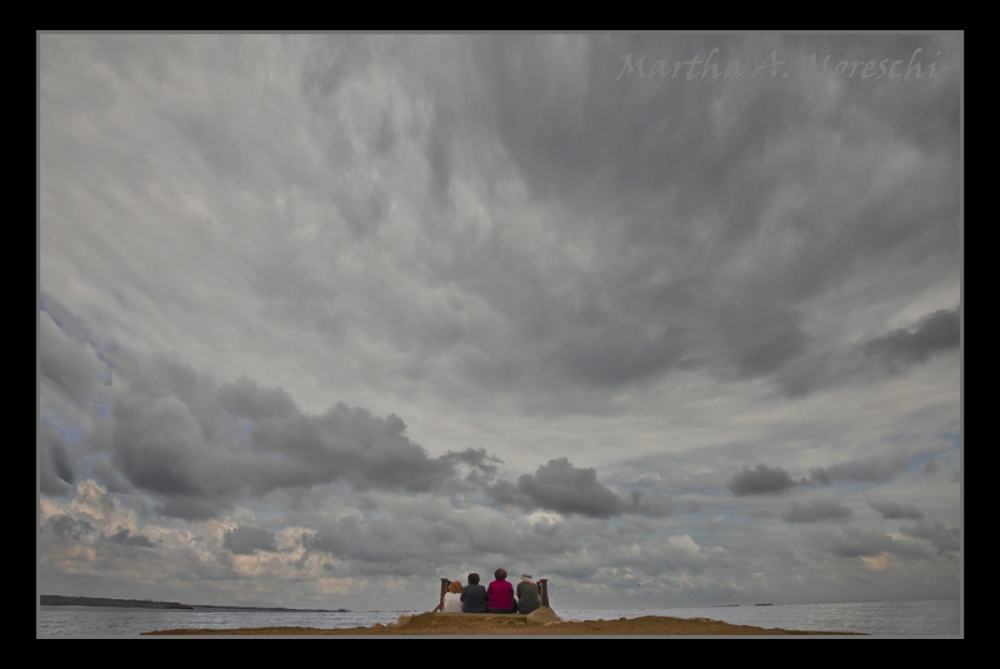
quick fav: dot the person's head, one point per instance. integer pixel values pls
(473, 579)
(455, 586)
(500, 574)
(526, 578)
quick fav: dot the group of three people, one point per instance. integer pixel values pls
(497, 598)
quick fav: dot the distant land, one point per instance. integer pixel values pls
(59, 600)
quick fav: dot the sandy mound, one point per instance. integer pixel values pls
(545, 623)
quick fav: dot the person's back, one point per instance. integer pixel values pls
(527, 596)
(452, 602)
(473, 596)
(500, 594)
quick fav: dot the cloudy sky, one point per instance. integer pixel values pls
(666, 319)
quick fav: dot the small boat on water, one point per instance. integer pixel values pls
(767, 604)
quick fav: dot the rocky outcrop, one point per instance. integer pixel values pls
(543, 616)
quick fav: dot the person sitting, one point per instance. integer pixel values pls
(473, 596)
(527, 595)
(453, 598)
(450, 600)
(500, 595)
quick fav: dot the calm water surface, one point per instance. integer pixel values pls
(929, 618)
(940, 617)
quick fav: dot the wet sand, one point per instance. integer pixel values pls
(514, 625)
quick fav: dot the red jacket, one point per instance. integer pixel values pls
(500, 596)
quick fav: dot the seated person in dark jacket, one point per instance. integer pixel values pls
(527, 595)
(473, 596)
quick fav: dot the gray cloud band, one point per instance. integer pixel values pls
(202, 446)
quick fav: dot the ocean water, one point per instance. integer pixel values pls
(114, 621)
(927, 618)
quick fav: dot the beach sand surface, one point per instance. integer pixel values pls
(545, 623)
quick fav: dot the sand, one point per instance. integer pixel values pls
(544, 624)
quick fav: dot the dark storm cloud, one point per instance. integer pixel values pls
(760, 481)
(243, 398)
(56, 472)
(67, 526)
(823, 370)
(943, 538)
(173, 437)
(625, 354)
(934, 333)
(249, 540)
(347, 443)
(578, 147)
(125, 538)
(473, 457)
(690, 219)
(616, 325)
(482, 465)
(763, 338)
(815, 512)
(838, 367)
(772, 354)
(764, 479)
(560, 486)
(895, 510)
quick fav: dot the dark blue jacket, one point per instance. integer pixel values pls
(473, 599)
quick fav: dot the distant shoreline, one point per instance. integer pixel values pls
(60, 600)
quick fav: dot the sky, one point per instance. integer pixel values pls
(668, 319)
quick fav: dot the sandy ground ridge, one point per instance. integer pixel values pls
(542, 625)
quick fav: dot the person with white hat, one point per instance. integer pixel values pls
(527, 595)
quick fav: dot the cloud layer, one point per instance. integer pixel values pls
(326, 315)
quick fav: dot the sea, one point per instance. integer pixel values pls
(935, 618)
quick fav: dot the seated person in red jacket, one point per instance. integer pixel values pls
(500, 594)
